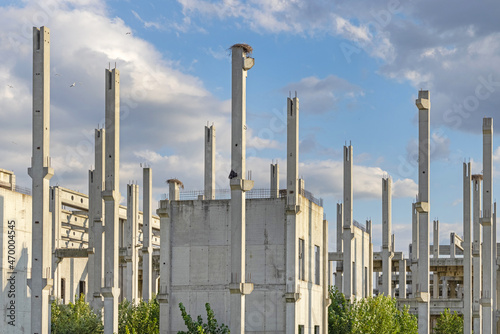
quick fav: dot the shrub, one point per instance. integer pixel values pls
(199, 326)
(449, 323)
(141, 318)
(74, 318)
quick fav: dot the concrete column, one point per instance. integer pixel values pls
(387, 254)
(173, 189)
(55, 211)
(402, 278)
(496, 283)
(414, 250)
(131, 278)
(445, 288)
(96, 227)
(339, 269)
(467, 245)
(111, 195)
(369, 230)
(422, 206)
(325, 283)
(165, 265)
(435, 254)
(293, 273)
(210, 162)
(147, 234)
(41, 172)
(476, 253)
(435, 234)
(241, 63)
(347, 227)
(486, 221)
(275, 180)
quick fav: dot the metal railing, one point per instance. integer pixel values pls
(23, 190)
(252, 194)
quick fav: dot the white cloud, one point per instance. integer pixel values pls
(147, 24)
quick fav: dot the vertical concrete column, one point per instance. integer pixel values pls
(55, 211)
(275, 180)
(165, 265)
(402, 278)
(131, 278)
(387, 253)
(111, 195)
(325, 283)
(369, 230)
(347, 227)
(435, 254)
(486, 221)
(241, 63)
(414, 250)
(292, 294)
(173, 189)
(467, 245)
(423, 104)
(147, 234)
(96, 229)
(496, 283)
(41, 172)
(476, 254)
(445, 288)
(210, 162)
(340, 264)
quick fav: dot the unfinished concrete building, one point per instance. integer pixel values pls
(461, 276)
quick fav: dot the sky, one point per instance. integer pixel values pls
(357, 67)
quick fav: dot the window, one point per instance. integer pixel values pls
(316, 329)
(81, 288)
(302, 267)
(317, 267)
(301, 329)
(63, 289)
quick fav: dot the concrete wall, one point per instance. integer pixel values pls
(15, 207)
(200, 245)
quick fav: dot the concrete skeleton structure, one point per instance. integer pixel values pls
(261, 252)
(459, 276)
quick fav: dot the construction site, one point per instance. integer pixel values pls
(260, 257)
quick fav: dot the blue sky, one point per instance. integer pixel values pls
(356, 67)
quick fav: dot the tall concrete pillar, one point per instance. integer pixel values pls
(96, 226)
(173, 189)
(41, 172)
(435, 254)
(486, 221)
(165, 265)
(347, 227)
(496, 283)
(210, 162)
(147, 234)
(130, 281)
(111, 195)
(387, 253)
(402, 278)
(423, 103)
(275, 181)
(340, 249)
(414, 250)
(241, 63)
(369, 230)
(55, 211)
(467, 245)
(325, 283)
(293, 270)
(476, 254)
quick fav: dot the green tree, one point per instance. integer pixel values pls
(199, 327)
(339, 313)
(74, 318)
(380, 315)
(139, 318)
(449, 323)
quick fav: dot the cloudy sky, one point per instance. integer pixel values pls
(356, 68)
